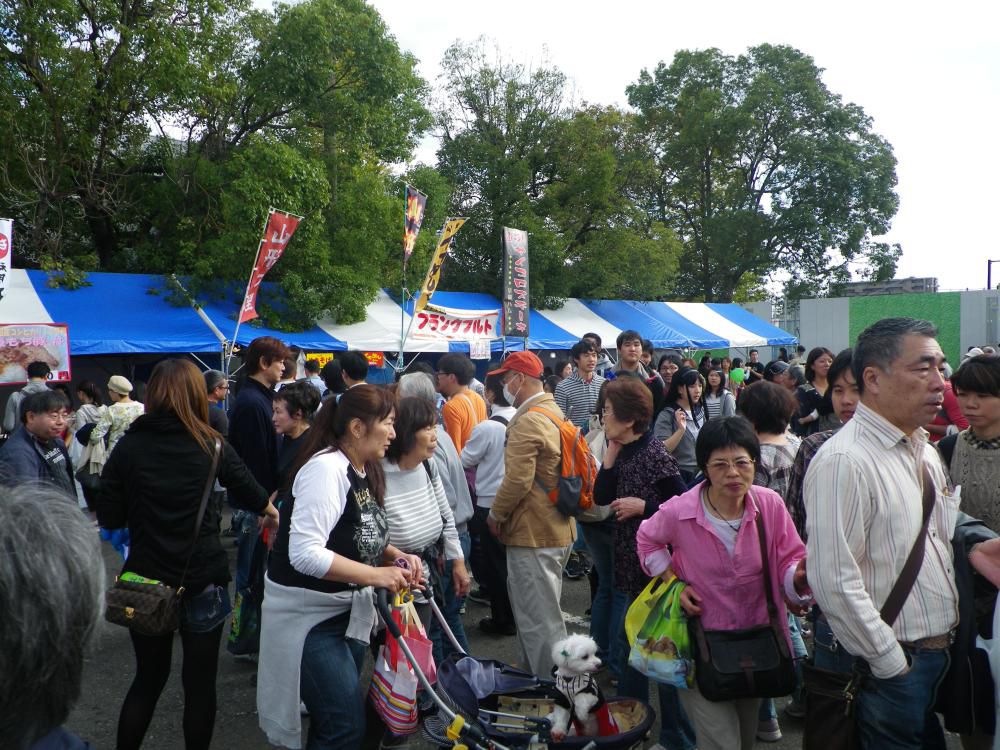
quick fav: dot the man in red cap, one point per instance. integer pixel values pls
(538, 537)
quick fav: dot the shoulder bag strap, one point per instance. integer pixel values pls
(908, 576)
(209, 483)
(772, 609)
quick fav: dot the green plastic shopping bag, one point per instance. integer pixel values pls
(656, 626)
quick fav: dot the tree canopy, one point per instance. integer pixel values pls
(153, 137)
(761, 169)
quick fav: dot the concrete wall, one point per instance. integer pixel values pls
(825, 322)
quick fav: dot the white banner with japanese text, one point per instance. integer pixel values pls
(447, 323)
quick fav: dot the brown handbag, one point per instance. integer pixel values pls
(830, 722)
(153, 608)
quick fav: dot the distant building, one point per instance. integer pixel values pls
(911, 285)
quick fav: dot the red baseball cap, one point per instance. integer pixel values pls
(525, 363)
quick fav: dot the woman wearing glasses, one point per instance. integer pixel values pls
(708, 537)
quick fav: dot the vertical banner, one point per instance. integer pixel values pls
(414, 217)
(6, 252)
(279, 230)
(515, 282)
(448, 232)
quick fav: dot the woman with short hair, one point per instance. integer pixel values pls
(294, 408)
(973, 455)
(637, 476)
(708, 537)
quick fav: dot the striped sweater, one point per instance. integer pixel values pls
(418, 511)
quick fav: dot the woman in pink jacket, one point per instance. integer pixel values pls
(712, 531)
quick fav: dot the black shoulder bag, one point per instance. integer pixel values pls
(751, 663)
(153, 608)
(830, 723)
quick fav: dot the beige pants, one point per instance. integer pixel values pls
(729, 725)
(534, 583)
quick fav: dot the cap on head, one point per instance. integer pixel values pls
(776, 368)
(525, 363)
(120, 385)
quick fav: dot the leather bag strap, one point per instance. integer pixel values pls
(209, 483)
(908, 576)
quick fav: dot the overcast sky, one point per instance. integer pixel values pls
(928, 75)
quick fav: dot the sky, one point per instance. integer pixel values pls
(927, 74)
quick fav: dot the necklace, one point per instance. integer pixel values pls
(715, 510)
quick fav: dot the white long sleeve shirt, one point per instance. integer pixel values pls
(484, 453)
(863, 513)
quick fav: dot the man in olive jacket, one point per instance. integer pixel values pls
(538, 537)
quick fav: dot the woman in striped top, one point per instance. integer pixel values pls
(419, 516)
(719, 400)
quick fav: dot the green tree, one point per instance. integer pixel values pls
(762, 171)
(498, 121)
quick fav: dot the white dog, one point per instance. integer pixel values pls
(579, 699)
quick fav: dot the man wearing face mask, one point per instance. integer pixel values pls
(538, 537)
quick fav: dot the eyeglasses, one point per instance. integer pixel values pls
(722, 464)
(58, 416)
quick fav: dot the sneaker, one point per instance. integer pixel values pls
(574, 569)
(490, 627)
(479, 596)
(768, 731)
(796, 709)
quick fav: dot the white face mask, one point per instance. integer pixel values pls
(510, 397)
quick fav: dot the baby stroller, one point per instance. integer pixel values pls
(483, 703)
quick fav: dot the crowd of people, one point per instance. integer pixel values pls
(439, 483)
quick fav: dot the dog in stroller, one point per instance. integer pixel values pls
(579, 700)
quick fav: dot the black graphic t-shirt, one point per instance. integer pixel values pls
(361, 534)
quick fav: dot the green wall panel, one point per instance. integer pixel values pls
(942, 309)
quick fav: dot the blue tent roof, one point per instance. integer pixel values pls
(122, 314)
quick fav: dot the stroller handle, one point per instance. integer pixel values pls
(382, 605)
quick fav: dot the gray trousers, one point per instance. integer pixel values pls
(534, 583)
(727, 725)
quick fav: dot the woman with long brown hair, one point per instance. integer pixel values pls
(153, 483)
(332, 549)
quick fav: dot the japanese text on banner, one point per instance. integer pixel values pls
(6, 252)
(24, 343)
(280, 228)
(516, 308)
(455, 325)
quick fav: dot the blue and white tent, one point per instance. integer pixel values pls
(130, 313)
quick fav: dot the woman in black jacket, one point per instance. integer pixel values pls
(153, 482)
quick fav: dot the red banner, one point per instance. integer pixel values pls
(415, 203)
(280, 228)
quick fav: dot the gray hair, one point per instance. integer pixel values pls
(880, 344)
(418, 385)
(51, 596)
(213, 379)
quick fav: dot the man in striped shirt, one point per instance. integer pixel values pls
(577, 394)
(863, 497)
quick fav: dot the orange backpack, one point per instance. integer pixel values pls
(574, 492)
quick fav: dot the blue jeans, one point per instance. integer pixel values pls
(897, 713)
(827, 652)
(799, 652)
(676, 730)
(600, 540)
(329, 686)
(204, 612)
(245, 525)
(452, 605)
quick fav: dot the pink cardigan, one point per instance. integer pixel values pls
(731, 588)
